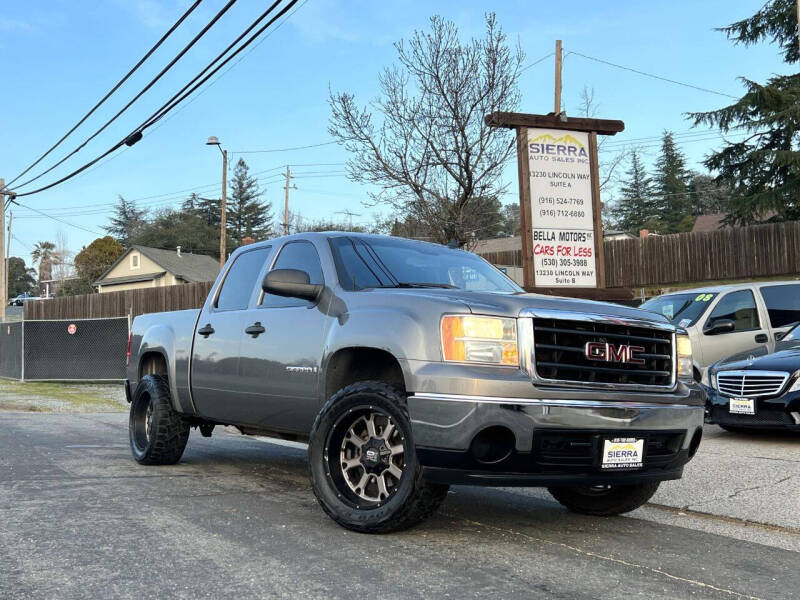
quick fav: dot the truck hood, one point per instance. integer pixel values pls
(785, 360)
(510, 304)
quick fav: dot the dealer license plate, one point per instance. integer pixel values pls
(742, 406)
(623, 453)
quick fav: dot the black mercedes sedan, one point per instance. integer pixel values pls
(751, 392)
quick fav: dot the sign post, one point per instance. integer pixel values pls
(560, 211)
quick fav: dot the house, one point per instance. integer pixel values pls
(612, 235)
(714, 221)
(143, 267)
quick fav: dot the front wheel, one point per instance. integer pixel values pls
(603, 500)
(158, 434)
(364, 469)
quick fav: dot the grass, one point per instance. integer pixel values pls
(60, 397)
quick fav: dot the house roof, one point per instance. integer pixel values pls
(708, 222)
(131, 279)
(186, 266)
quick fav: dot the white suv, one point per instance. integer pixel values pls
(726, 320)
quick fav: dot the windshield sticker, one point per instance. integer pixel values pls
(668, 311)
(685, 323)
(704, 297)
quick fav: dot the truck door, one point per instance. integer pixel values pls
(732, 327)
(217, 340)
(279, 368)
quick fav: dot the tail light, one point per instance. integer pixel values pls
(128, 351)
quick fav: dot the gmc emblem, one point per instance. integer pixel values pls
(606, 352)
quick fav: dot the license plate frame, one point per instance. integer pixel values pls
(742, 406)
(615, 453)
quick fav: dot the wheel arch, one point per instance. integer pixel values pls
(352, 364)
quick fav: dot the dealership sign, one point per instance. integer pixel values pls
(562, 212)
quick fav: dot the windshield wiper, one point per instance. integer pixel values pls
(414, 284)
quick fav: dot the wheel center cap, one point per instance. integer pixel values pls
(375, 455)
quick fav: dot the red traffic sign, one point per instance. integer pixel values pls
(72, 328)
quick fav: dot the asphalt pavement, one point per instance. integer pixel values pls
(237, 519)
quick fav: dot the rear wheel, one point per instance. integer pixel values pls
(604, 500)
(364, 468)
(158, 434)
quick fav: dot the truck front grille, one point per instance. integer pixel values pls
(561, 357)
(751, 384)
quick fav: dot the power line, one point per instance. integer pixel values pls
(652, 75)
(536, 62)
(284, 149)
(136, 135)
(58, 219)
(150, 84)
(113, 89)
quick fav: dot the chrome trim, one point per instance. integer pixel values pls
(783, 375)
(545, 402)
(530, 313)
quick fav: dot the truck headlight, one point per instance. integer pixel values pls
(491, 340)
(685, 360)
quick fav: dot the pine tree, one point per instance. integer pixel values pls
(764, 167)
(247, 215)
(127, 222)
(672, 187)
(637, 207)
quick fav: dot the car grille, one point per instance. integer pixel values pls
(751, 384)
(762, 418)
(560, 353)
(559, 450)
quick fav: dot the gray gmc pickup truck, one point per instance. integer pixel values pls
(408, 367)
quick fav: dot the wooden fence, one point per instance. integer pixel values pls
(732, 253)
(120, 304)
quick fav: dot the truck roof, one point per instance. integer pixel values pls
(716, 289)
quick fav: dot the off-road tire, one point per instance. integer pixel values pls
(165, 439)
(617, 499)
(413, 500)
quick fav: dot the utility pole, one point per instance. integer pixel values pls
(3, 289)
(350, 214)
(798, 24)
(8, 247)
(557, 110)
(286, 200)
(223, 214)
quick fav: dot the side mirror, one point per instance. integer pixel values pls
(291, 283)
(719, 327)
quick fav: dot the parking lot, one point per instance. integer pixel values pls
(237, 518)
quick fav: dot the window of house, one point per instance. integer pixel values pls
(134, 261)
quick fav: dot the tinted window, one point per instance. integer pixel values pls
(394, 262)
(241, 279)
(793, 335)
(303, 257)
(739, 307)
(682, 310)
(783, 304)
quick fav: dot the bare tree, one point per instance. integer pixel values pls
(607, 161)
(424, 140)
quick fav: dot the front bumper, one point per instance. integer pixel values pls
(782, 412)
(556, 441)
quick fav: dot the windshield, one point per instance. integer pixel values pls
(682, 310)
(395, 262)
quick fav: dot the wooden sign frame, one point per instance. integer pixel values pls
(521, 122)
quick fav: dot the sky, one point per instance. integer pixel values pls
(58, 57)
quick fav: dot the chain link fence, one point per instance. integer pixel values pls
(11, 350)
(66, 350)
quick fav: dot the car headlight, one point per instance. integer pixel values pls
(685, 360)
(796, 385)
(491, 340)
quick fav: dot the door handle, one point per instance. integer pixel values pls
(762, 338)
(255, 329)
(206, 331)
